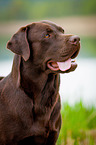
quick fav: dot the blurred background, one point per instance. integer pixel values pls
(77, 89)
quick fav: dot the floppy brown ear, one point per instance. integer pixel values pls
(19, 43)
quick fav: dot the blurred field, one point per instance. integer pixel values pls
(81, 25)
(76, 17)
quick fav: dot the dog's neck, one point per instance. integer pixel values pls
(30, 77)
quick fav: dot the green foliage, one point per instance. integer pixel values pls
(4, 53)
(88, 47)
(77, 123)
(38, 9)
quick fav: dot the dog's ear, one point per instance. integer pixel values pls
(19, 43)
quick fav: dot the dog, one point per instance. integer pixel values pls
(29, 95)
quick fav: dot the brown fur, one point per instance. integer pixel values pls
(29, 97)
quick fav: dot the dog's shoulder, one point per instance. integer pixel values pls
(4, 81)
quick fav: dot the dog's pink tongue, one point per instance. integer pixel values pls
(63, 66)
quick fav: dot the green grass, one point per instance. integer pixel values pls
(78, 125)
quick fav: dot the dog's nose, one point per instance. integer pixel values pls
(74, 39)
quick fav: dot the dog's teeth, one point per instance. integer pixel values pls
(73, 60)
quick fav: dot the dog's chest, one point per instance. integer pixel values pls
(43, 106)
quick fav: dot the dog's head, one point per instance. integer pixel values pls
(47, 46)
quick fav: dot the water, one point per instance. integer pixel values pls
(80, 84)
(74, 86)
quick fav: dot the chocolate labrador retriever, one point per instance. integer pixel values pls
(29, 97)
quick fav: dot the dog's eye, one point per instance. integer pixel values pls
(47, 36)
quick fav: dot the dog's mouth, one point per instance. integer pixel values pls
(64, 66)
